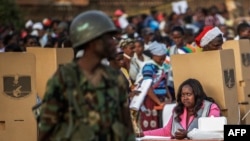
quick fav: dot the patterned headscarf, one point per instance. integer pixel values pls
(157, 48)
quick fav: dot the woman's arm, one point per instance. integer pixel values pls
(164, 131)
(153, 96)
(214, 111)
(148, 72)
(169, 96)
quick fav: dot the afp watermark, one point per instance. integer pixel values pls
(240, 132)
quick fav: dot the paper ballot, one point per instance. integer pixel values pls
(137, 100)
(215, 124)
(163, 138)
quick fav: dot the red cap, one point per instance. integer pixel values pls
(201, 35)
(118, 12)
(207, 35)
(46, 22)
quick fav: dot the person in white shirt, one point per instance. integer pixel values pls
(147, 35)
(127, 45)
(139, 56)
(2, 47)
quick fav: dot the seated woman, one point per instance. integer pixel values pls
(192, 103)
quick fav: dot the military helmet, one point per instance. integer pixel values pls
(90, 25)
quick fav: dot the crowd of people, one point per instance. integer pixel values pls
(140, 47)
(51, 32)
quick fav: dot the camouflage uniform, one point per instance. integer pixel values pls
(84, 111)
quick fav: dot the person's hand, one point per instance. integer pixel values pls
(133, 87)
(169, 98)
(139, 134)
(160, 106)
(133, 93)
(168, 101)
(180, 134)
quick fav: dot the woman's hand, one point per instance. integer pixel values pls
(180, 134)
(140, 134)
(168, 101)
(169, 98)
(133, 93)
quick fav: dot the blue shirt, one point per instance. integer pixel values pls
(159, 77)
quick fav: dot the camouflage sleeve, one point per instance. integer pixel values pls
(51, 107)
(126, 119)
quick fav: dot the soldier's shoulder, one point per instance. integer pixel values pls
(68, 65)
(111, 70)
(116, 75)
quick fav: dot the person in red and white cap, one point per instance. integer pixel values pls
(120, 19)
(210, 38)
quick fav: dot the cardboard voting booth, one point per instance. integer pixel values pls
(216, 72)
(244, 95)
(17, 96)
(18, 130)
(241, 50)
(47, 61)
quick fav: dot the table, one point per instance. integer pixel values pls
(179, 140)
(158, 138)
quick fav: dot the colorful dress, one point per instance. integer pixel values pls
(150, 117)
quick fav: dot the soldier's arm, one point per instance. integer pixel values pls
(126, 119)
(51, 107)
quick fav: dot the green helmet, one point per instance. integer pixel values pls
(90, 25)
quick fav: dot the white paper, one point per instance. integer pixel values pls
(153, 138)
(213, 124)
(180, 7)
(138, 99)
(197, 134)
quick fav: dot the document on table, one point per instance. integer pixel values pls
(153, 138)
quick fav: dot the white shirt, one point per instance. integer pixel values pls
(2, 49)
(139, 62)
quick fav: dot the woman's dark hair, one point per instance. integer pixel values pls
(141, 42)
(162, 39)
(148, 53)
(178, 29)
(13, 48)
(199, 96)
(171, 16)
(241, 27)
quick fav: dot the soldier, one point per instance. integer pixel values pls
(85, 100)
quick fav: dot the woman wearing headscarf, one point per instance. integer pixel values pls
(158, 93)
(127, 45)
